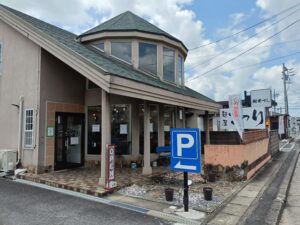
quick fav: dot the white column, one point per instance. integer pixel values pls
(135, 130)
(161, 133)
(105, 134)
(207, 135)
(183, 118)
(147, 169)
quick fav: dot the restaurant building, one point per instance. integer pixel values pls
(64, 97)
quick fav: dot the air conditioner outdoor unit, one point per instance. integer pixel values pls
(8, 158)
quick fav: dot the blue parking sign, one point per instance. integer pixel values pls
(186, 150)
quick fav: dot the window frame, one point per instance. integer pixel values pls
(88, 131)
(32, 131)
(98, 42)
(122, 41)
(163, 75)
(157, 53)
(182, 69)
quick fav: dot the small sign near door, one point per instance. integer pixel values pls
(50, 131)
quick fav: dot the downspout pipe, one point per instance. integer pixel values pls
(20, 131)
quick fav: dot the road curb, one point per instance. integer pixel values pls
(275, 213)
(131, 207)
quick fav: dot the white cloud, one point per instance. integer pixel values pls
(237, 18)
(174, 17)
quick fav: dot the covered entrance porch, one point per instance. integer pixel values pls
(136, 127)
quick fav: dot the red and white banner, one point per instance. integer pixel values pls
(235, 107)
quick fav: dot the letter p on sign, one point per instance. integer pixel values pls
(182, 145)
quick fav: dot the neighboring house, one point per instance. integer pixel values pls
(64, 97)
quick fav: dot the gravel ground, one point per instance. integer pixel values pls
(155, 192)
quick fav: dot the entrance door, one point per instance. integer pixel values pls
(69, 140)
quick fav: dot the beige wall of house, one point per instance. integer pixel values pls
(19, 76)
(62, 87)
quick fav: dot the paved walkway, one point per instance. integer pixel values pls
(291, 212)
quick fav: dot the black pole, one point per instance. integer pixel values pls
(186, 192)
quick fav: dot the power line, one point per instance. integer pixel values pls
(242, 42)
(266, 61)
(244, 52)
(264, 46)
(248, 28)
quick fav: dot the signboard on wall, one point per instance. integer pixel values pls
(50, 131)
(253, 118)
(261, 98)
(281, 125)
(216, 123)
(294, 127)
(110, 183)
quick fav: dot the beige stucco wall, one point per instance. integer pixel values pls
(59, 84)
(230, 155)
(19, 77)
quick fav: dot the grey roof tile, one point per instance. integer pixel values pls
(110, 65)
(128, 21)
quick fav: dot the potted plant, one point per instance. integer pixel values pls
(207, 192)
(169, 193)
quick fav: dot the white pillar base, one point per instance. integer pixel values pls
(147, 170)
(102, 181)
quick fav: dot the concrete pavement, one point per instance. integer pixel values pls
(24, 204)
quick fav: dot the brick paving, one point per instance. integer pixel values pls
(86, 180)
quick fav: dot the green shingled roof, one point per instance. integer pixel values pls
(108, 64)
(128, 21)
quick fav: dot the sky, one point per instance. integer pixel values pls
(246, 60)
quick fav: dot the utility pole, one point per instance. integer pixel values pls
(285, 79)
(286, 74)
(275, 95)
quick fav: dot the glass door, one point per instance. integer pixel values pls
(69, 141)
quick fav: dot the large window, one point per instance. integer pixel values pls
(169, 122)
(169, 64)
(99, 45)
(121, 128)
(122, 50)
(28, 129)
(180, 70)
(148, 57)
(94, 130)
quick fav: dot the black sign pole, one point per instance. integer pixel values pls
(186, 192)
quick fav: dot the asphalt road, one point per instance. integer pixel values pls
(24, 204)
(258, 215)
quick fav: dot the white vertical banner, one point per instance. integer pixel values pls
(281, 125)
(235, 107)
